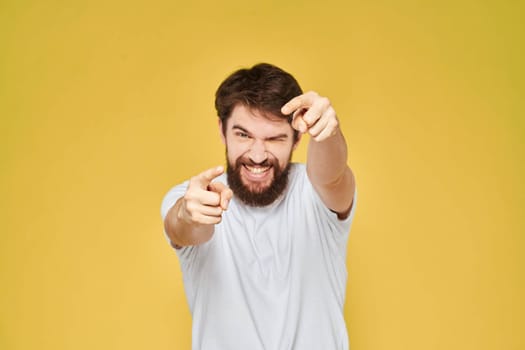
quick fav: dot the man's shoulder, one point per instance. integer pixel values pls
(297, 169)
(297, 173)
(297, 178)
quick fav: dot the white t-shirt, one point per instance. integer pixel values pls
(271, 277)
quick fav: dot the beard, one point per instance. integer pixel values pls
(258, 196)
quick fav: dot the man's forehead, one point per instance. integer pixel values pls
(242, 113)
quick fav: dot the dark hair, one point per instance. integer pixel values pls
(264, 87)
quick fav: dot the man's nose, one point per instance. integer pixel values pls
(258, 152)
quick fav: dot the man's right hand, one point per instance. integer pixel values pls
(205, 201)
(190, 221)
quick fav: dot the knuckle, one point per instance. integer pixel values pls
(216, 199)
(188, 196)
(324, 101)
(191, 207)
(333, 116)
(312, 93)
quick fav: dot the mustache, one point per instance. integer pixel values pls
(247, 161)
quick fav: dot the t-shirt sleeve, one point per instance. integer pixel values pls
(345, 223)
(340, 228)
(169, 201)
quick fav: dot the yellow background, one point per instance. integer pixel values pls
(106, 105)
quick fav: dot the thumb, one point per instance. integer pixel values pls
(298, 122)
(225, 193)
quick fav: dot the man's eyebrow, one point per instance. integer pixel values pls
(237, 126)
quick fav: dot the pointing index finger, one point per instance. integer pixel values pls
(206, 177)
(301, 101)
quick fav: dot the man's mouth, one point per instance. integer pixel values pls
(257, 173)
(257, 170)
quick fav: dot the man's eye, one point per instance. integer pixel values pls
(242, 134)
(277, 139)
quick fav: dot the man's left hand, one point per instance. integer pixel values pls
(313, 114)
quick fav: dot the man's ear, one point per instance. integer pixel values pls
(223, 137)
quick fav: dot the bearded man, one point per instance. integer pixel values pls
(262, 247)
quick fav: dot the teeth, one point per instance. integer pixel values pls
(257, 170)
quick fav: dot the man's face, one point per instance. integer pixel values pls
(258, 149)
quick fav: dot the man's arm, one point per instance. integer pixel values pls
(192, 218)
(327, 151)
